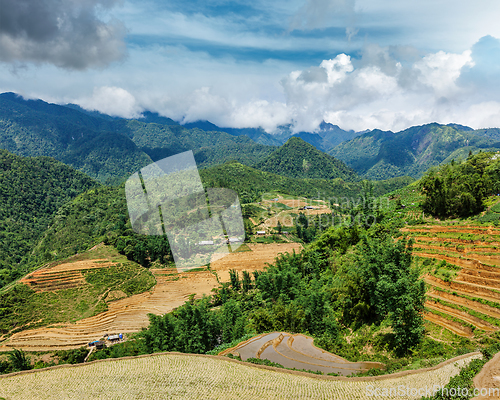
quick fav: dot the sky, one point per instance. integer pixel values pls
(358, 64)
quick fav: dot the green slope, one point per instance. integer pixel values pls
(31, 191)
(209, 148)
(111, 149)
(100, 214)
(92, 145)
(298, 159)
(381, 155)
(251, 183)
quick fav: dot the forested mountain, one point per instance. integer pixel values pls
(110, 149)
(383, 154)
(210, 148)
(251, 183)
(100, 214)
(90, 144)
(327, 136)
(298, 159)
(31, 191)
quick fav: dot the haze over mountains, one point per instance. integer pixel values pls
(109, 149)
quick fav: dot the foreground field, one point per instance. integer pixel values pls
(129, 314)
(190, 377)
(297, 351)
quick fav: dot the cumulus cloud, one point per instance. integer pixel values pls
(380, 91)
(65, 33)
(202, 104)
(113, 101)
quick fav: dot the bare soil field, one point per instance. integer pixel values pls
(184, 376)
(62, 276)
(489, 378)
(477, 322)
(461, 301)
(129, 314)
(284, 217)
(453, 326)
(478, 259)
(473, 229)
(256, 259)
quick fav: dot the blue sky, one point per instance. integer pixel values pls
(360, 64)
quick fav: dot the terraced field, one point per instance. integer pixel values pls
(297, 351)
(284, 210)
(184, 376)
(129, 314)
(463, 276)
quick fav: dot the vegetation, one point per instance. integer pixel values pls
(21, 307)
(349, 278)
(462, 384)
(31, 191)
(251, 183)
(459, 189)
(298, 159)
(111, 149)
(159, 376)
(382, 155)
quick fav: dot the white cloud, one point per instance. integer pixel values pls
(378, 91)
(112, 101)
(441, 70)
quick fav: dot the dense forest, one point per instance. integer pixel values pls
(111, 149)
(31, 191)
(384, 154)
(298, 159)
(459, 189)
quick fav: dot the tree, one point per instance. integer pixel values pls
(246, 282)
(18, 360)
(235, 279)
(392, 289)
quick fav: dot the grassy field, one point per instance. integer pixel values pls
(166, 376)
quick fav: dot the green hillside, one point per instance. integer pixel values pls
(298, 159)
(100, 214)
(381, 155)
(107, 149)
(31, 191)
(251, 183)
(92, 145)
(210, 148)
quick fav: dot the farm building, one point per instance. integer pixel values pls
(114, 338)
(206, 243)
(234, 240)
(260, 232)
(98, 344)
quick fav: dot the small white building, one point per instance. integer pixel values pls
(206, 243)
(260, 232)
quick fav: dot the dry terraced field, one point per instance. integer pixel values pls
(181, 376)
(129, 314)
(464, 294)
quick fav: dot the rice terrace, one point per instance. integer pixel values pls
(249, 200)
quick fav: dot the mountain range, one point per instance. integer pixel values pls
(109, 148)
(384, 154)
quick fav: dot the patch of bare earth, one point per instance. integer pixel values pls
(255, 260)
(489, 379)
(478, 277)
(130, 314)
